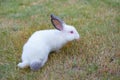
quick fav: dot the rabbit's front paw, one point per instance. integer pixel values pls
(57, 51)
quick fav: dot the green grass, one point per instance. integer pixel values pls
(95, 57)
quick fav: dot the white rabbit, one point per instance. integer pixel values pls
(41, 43)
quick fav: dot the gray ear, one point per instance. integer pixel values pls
(57, 22)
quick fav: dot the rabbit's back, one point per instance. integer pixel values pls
(35, 47)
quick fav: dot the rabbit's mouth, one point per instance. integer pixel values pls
(78, 39)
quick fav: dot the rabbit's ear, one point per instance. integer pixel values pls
(57, 22)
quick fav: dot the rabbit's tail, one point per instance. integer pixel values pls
(35, 65)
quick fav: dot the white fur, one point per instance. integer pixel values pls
(41, 43)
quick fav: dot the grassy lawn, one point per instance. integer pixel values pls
(95, 57)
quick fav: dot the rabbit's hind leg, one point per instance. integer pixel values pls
(44, 61)
(23, 64)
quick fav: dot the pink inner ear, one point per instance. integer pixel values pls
(58, 25)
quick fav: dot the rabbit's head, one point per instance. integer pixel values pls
(68, 32)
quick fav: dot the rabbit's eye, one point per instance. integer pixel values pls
(71, 32)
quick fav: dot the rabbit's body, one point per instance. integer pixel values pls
(41, 43)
